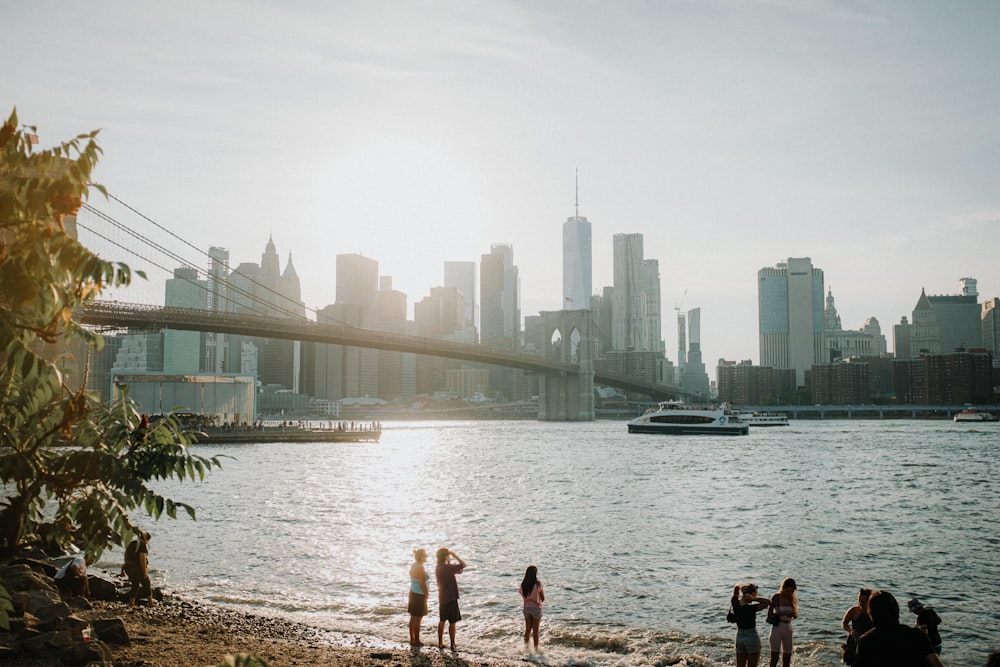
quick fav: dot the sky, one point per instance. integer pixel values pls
(731, 134)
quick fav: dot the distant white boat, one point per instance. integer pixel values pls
(677, 418)
(756, 418)
(973, 415)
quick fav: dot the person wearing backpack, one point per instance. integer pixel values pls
(136, 567)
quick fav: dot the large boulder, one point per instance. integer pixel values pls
(66, 647)
(32, 600)
(51, 616)
(111, 631)
(102, 589)
(21, 577)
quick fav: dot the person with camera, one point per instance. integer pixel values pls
(744, 615)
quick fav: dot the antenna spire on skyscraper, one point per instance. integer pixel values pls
(576, 173)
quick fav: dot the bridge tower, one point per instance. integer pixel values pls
(567, 396)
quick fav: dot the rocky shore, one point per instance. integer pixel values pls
(177, 632)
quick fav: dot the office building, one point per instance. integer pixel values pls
(629, 330)
(991, 327)
(577, 261)
(791, 317)
(840, 344)
(499, 301)
(694, 378)
(462, 276)
(945, 323)
(182, 350)
(654, 319)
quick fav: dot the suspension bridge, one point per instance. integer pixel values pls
(566, 373)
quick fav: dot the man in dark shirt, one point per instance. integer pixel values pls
(448, 593)
(890, 644)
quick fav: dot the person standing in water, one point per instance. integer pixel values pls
(417, 605)
(856, 623)
(785, 607)
(533, 595)
(745, 609)
(448, 593)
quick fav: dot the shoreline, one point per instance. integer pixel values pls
(185, 632)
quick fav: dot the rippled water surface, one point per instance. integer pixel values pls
(638, 539)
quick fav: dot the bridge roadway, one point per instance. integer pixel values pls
(119, 315)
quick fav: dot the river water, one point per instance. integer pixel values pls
(639, 539)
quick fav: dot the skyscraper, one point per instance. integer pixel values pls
(654, 320)
(628, 310)
(182, 349)
(500, 307)
(577, 261)
(695, 378)
(791, 314)
(462, 275)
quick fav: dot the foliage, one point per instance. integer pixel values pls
(56, 443)
(6, 608)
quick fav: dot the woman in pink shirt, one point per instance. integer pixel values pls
(533, 595)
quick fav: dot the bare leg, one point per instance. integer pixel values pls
(451, 636)
(741, 660)
(527, 629)
(441, 635)
(535, 623)
(753, 659)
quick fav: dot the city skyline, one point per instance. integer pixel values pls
(730, 135)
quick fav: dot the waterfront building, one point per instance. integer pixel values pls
(577, 261)
(628, 310)
(841, 383)
(745, 384)
(964, 376)
(226, 398)
(791, 317)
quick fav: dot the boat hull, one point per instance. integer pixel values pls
(689, 429)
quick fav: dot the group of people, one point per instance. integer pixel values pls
(873, 629)
(875, 635)
(72, 578)
(782, 608)
(531, 590)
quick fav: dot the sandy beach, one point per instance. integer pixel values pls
(182, 633)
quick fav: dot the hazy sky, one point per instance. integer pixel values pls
(732, 135)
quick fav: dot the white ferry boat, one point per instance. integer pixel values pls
(677, 418)
(973, 415)
(757, 418)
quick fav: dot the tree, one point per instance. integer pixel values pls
(56, 443)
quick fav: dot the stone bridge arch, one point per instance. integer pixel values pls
(568, 337)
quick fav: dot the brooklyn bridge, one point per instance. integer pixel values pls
(555, 402)
(564, 366)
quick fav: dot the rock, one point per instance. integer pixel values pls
(19, 624)
(79, 603)
(37, 564)
(29, 601)
(66, 647)
(22, 577)
(52, 615)
(102, 589)
(111, 631)
(73, 623)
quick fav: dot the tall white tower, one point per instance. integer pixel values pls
(577, 260)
